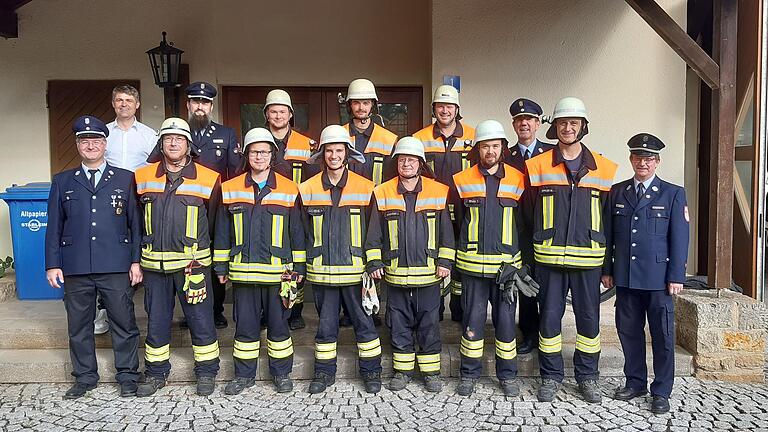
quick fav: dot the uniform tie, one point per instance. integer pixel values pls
(93, 177)
(640, 191)
(527, 154)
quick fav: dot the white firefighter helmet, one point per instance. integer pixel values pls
(335, 134)
(488, 130)
(568, 107)
(278, 97)
(411, 146)
(175, 125)
(361, 89)
(446, 94)
(257, 135)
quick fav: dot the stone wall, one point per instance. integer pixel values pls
(725, 333)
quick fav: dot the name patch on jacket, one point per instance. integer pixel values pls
(473, 201)
(390, 214)
(234, 208)
(619, 205)
(658, 208)
(218, 141)
(315, 211)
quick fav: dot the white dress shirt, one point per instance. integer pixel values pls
(130, 149)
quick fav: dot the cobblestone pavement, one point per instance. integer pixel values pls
(696, 405)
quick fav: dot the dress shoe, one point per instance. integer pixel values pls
(128, 388)
(220, 322)
(527, 346)
(320, 382)
(283, 384)
(237, 385)
(548, 390)
(78, 390)
(150, 386)
(659, 405)
(372, 382)
(628, 393)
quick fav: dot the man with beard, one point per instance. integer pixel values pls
(526, 120)
(179, 199)
(259, 246)
(410, 244)
(335, 204)
(373, 141)
(215, 147)
(569, 186)
(293, 150)
(446, 143)
(488, 241)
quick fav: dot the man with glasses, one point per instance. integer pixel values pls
(647, 242)
(93, 240)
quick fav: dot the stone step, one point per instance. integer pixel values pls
(42, 324)
(53, 365)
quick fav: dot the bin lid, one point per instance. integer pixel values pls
(35, 191)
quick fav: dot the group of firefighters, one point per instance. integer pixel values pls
(451, 209)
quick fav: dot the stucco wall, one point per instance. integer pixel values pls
(226, 42)
(598, 50)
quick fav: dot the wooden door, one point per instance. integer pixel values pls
(68, 100)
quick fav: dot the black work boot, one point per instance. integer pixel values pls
(548, 390)
(372, 382)
(433, 383)
(283, 384)
(237, 385)
(399, 381)
(590, 391)
(510, 387)
(466, 386)
(150, 386)
(296, 323)
(320, 382)
(205, 385)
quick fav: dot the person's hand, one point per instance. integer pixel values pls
(135, 274)
(674, 288)
(54, 276)
(223, 279)
(377, 274)
(300, 279)
(443, 272)
(607, 281)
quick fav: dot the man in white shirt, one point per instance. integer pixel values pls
(130, 142)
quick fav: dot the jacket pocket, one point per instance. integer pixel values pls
(658, 221)
(542, 235)
(66, 241)
(597, 236)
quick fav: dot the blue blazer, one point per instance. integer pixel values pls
(93, 231)
(647, 241)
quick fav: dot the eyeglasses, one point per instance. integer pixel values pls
(87, 142)
(172, 139)
(644, 160)
(259, 153)
(407, 160)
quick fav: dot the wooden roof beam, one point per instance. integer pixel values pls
(9, 20)
(678, 40)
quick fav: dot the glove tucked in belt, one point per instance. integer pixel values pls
(513, 280)
(194, 288)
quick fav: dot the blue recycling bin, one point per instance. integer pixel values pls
(29, 217)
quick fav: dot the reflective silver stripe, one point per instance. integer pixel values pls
(195, 188)
(466, 188)
(149, 185)
(510, 189)
(279, 196)
(541, 178)
(312, 197)
(354, 197)
(233, 195)
(390, 202)
(387, 148)
(596, 181)
(432, 201)
(297, 153)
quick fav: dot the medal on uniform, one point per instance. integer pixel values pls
(218, 152)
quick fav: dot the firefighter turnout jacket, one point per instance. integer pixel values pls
(567, 209)
(410, 233)
(488, 236)
(295, 149)
(334, 222)
(258, 230)
(169, 246)
(380, 143)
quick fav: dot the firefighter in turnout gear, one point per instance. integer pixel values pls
(447, 142)
(569, 186)
(489, 192)
(259, 247)
(335, 206)
(178, 198)
(410, 244)
(293, 150)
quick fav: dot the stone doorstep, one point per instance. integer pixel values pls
(53, 365)
(8, 286)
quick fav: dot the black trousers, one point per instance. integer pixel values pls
(80, 302)
(219, 294)
(528, 318)
(633, 306)
(160, 292)
(298, 305)
(328, 300)
(251, 302)
(415, 311)
(585, 296)
(476, 294)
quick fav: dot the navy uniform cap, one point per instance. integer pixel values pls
(645, 144)
(89, 125)
(201, 90)
(524, 106)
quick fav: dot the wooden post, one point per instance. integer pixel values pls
(722, 150)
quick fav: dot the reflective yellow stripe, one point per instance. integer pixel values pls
(595, 215)
(548, 221)
(148, 218)
(299, 256)
(471, 349)
(485, 264)
(431, 227)
(238, 224)
(335, 275)
(507, 226)
(455, 287)
(369, 349)
(464, 161)
(506, 350)
(392, 226)
(571, 256)
(355, 228)
(429, 362)
(550, 345)
(297, 172)
(588, 345)
(155, 355)
(206, 352)
(452, 211)
(473, 232)
(373, 254)
(280, 349)
(246, 350)
(317, 230)
(325, 351)
(300, 294)
(221, 255)
(277, 230)
(378, 170)
(403, 361)
(192, 222)
(446, 253)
